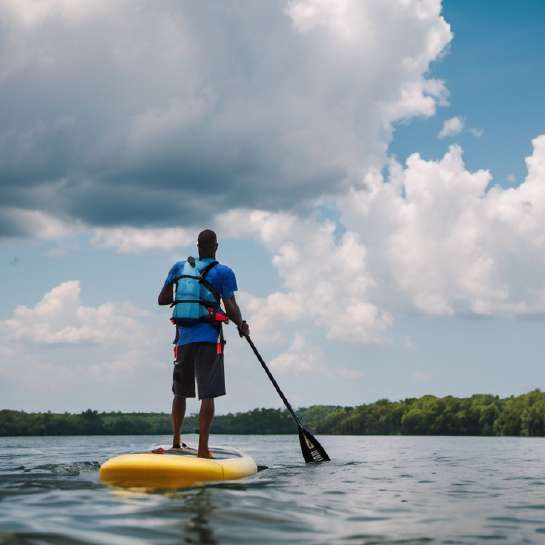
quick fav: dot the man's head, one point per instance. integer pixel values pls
(207, 243)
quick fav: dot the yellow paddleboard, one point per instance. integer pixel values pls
(175, 468)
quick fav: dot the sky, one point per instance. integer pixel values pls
(375, 172)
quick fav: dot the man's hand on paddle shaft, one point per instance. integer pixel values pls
(244, 329)
(233, 312)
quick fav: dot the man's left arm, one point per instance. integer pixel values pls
(166, 296)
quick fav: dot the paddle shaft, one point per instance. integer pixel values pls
(272, 379)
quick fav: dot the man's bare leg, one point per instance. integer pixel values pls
(205, 422)
(178, 413)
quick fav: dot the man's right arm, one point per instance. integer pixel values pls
(233, 312)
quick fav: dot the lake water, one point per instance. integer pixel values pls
(408, 490)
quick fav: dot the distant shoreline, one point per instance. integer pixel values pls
(478, 415)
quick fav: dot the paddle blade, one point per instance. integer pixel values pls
(311, 448)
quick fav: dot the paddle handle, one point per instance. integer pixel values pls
(272, 379)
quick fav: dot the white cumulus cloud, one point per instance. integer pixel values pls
(451, 127)
(299, 358)
(325, 277)
(302, 357)
(33, 223)
(442, 237)
(134, 240)
(60, 318)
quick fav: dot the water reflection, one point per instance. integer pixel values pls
(197, 528)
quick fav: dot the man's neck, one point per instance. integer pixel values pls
(207, 256)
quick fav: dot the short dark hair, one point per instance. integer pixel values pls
(207, 241)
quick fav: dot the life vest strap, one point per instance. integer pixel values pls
(220, 343)
(202, 302)
(207, 269)
(215, 314)
(201, 277)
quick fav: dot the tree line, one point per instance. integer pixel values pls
(480, 414)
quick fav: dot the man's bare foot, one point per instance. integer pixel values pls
(205, 454)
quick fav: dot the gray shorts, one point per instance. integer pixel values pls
(198, 361)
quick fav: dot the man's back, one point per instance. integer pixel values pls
(223, 279)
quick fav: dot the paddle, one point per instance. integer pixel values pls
(311, 448)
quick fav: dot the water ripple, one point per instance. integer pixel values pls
(378, 490)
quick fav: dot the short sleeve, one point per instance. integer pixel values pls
(228, 283)
(172, 274)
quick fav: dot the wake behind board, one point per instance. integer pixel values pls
(165, 467)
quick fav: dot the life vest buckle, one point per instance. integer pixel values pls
(217, 316)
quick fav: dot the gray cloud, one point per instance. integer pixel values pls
(145, 114)
(11, 228)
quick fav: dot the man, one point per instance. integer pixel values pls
(199, 347)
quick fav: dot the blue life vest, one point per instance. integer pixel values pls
(195, 299)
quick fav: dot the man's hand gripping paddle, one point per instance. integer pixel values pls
(311, 448)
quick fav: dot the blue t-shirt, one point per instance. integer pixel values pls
(223, 279)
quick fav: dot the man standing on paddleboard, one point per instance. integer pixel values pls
(195, 288)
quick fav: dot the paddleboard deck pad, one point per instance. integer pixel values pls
(165, 467)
